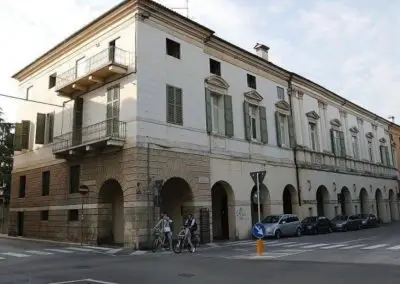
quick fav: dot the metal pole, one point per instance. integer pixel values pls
(82, 222)
(258, 200)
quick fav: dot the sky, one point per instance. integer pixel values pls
(347, 46)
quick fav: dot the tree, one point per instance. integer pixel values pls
(6, 156)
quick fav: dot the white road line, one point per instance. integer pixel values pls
(80, 249)
(332, 246)
(394, 248)
(38, 252)
(353, 246)
(139, 252)
(98, 248)
(112, 251)
(280, 244)
(314, 246)
(376, 246)
(296, 245)
(2, 258)
(15, 254)
(60, 250)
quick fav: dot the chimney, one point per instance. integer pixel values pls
(262, 50)
(392, 118)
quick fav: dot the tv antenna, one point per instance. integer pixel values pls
(185, 7)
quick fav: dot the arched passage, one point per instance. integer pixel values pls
(394, 216)
(265, 203)
(223, 213)
(363, 201)
(111, 213)
(380, 206)
(322, 197)
(176, 200)
(345, 201)
(289, 198)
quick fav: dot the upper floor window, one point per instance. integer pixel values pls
(174, 105)
(282, 129)
(22, 134)
(313, 135)
(251, 81)
(52, 80)
(44, 128)
(281, 93)
(255, 120)
(385, 158)
(219, 113)
(173, 48)
(338, 143)
(22, 186)
(215, 67)
(74, 178)
(354, 144)
(370, 151)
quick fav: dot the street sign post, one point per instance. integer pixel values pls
(258, 230)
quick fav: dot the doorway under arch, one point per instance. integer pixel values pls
(223, 217)
(265, 203)
(322, 197)
(345, 202)
(363, 201)
(289, 199)
(394, 216)
(111, 214)
(380, 206)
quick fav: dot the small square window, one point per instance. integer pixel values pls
(251, 81)
(44, 215)
(173, 48)
(281, 93)
(73, 215)
(52, 80)
(215, 67)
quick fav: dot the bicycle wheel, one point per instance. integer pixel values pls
(178, 247)
(156, 245)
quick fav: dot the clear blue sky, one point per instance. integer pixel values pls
(350, 47)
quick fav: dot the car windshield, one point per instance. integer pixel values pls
(363, 216)
(310, 220)
(271, 219)
(340, 218)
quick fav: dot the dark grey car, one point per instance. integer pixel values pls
(344, 223)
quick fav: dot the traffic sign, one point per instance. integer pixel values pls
(261, 176)
(258, 231)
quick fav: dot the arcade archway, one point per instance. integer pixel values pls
(289, 199)
(223, 213)
(345, 202)
(363, 201)
(322, 197)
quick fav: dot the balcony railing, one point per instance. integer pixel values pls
(99, 66)
(311, 159)
(92, 135)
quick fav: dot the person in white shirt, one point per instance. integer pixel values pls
(166, 228)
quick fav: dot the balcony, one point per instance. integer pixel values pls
(326, 161)
(93, 71)
(107, 135)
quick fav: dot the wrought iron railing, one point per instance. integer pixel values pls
(108, 129)
(111, 55)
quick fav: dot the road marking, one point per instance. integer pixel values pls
(314, 246)
(394, 248)
(294, 251)
(15, 254)
(112, 251)
(332, 246)
(38, 252)
(281, 244)
(296, 245)
(139, 252)
(80, 249)
(353, 246)
(60, 250)
(2, 258)
(376, 246)
(99, 248)
(84, 280)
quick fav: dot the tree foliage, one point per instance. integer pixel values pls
(6, 155)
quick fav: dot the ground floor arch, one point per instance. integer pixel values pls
(265, 203)
(322, 197)
(380, 206)
(364, 201)
(394, 211)
(345, 201)
(223, 211)
(289, 199)
(111, 214)
(176, 199)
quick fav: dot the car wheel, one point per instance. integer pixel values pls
(360, 227)
(330, 230)
(345, 229)
(278, 234)
(298, 232)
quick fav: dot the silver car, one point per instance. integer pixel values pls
(282, 225)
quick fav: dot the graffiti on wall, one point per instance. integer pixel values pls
(241, 214)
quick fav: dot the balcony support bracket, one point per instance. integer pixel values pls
(116, 69)
(78, 87)
(96, 79)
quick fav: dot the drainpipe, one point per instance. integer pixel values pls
(295, 147)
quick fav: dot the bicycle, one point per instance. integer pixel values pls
(159, 240)
(183, 243)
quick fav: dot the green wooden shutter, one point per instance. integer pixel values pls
(178, 106)
(333, 142)
(381, 149)
(228, 113)
(247, 124)
(26, 126)
(292, 132)
(208, 111)
(263, 124)
(170, 105)
(342, 144)
(278, 130)
(51, 127)
(18, 137)
(40, 128)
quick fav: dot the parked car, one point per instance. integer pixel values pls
(368, 220)
(316, 225)
(282, 225)
(344, 223)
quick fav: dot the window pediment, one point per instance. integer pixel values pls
(216, 81)
(336, 122)
(313, 115)
(354, 130)
(283, 105)
(253, 95)
(369, 135)
(382, 140)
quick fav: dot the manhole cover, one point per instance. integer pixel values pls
(187, 275)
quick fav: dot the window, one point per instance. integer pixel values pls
(215, 67)
(22, 186)
(173, 48)
(74, 178)
(281, 93)
(354, 143)
(73, 215)
(251, 81)
(282, 131)
(174, 105)
(338, 143)
(370, 151)
(44, 128)
(218, 114)
(44, 215)
(52, 80)
(113, 107)
(282, 128)
(313, 136)
(385, 160)
(45, 183)
(22, 133)
(253, 122)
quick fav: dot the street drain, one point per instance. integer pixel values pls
(82, 267)
(187, 275)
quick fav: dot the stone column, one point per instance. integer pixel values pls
(362, 140)
(327, 127)
(304, 128)
(345, 128)
(322, 127)
(297, 117)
